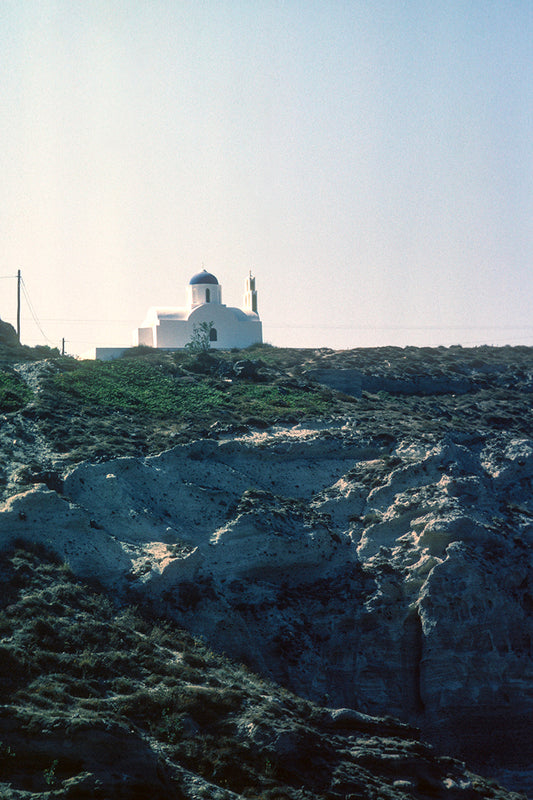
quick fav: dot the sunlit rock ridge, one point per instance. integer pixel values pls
(389, 574)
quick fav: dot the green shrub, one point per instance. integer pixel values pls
(137, 386)
(169, 727)
(14, 393)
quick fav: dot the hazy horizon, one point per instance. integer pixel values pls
(370, 162)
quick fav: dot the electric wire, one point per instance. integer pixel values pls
(500, 328)
(33, 312)
(286, 326)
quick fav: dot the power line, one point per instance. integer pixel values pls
(286, 326)
(33, 313)
(372, 327)
(86, 321)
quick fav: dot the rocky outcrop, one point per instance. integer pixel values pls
(101, 700)
(424, 371)
(378, 560)
(354, 382)
(349, 381)
(8, 334)
(390, 578)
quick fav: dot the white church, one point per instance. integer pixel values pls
(171, 328)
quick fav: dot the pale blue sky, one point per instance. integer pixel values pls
(371, 162)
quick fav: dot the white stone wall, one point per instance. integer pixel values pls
(143, 336)
(234, 328)
(203, 293)
(105, 353)
(171, 333)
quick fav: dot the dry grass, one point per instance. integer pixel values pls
(101, 700)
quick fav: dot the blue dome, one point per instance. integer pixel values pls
(202, 277)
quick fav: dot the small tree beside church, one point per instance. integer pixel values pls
(201, 338)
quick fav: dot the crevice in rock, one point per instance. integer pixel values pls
(412, 653)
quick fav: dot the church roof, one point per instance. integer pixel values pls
(202, 277)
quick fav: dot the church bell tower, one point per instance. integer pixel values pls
(250, 294)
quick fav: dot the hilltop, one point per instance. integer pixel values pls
(61, 410)
(354, 527)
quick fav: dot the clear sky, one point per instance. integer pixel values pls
(370, 160)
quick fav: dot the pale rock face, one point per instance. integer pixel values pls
(509, 462)
(42, 516)
(394, 581)
(270, 546)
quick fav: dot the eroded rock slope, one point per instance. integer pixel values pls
(378, 560)
(389, 578)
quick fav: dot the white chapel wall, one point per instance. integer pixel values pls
(173, 328)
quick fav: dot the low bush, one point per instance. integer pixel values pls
(139, 386)
(14, 392)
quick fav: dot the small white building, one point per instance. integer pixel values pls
(173, 328)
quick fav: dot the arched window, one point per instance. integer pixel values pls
(207, 296)
(213, 335)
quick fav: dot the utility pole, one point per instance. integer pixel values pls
(18, 304)
(63, 346)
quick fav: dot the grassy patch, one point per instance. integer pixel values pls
(133, 386)
(140, 387)
(151, 400)
(14, 393)
(70, 660)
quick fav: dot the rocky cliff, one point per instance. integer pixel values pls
(377, 558)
